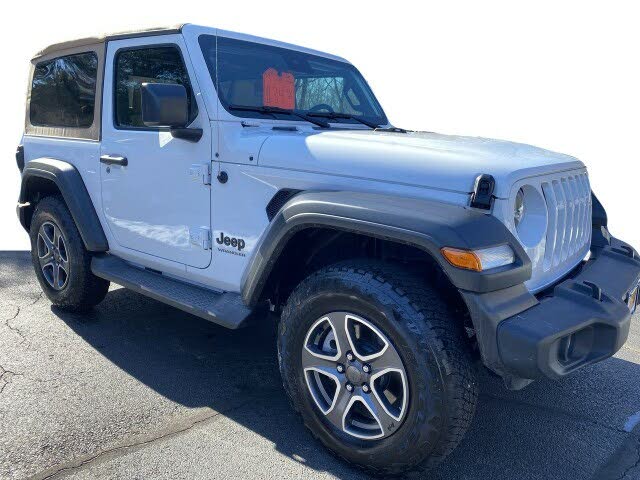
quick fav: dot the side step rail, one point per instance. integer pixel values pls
(226, 309)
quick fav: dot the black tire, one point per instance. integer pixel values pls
(430, 341)
(82, 289)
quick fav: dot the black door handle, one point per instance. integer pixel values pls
(114, 160)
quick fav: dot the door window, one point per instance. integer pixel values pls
(147, 65)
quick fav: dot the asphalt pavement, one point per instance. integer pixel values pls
(139, 390)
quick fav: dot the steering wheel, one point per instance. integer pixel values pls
(321, 106)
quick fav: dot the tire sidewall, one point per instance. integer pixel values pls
(404, 327)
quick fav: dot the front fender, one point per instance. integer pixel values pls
(425, 224)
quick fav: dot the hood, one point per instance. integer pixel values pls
(442, 162)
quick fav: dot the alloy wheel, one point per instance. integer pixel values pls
(355, 376)
(53, 256)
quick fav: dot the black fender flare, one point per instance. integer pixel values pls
(426, 224)
(69, 181)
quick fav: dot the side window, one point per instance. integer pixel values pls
(63, 91)
(150, 65)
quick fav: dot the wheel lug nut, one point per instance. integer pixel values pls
(365, 388)
(366, 368)
(340, 368)
(349, 387)
(350, 356)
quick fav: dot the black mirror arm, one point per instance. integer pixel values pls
(189, 134)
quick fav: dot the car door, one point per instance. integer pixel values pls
(155, 193)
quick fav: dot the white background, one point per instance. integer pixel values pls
(560, 75)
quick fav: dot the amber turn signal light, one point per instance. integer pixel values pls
(462, 258)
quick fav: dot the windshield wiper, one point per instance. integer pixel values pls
(337, 116)
(273, 111)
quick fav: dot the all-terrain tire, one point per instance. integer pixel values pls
(430, 341)
(81, 289)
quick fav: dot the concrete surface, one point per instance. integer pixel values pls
(139, 390)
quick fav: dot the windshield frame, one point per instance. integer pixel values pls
(212, 71)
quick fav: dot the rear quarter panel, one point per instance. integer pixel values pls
(82, 154)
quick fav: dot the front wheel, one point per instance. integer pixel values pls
(377, 366)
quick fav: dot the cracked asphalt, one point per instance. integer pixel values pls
(137, 389)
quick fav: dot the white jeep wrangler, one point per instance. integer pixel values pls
(229, 175)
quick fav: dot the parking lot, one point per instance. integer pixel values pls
(138, 389)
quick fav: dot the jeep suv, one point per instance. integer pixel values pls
(232, 176)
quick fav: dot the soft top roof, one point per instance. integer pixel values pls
(75, 45)
(80, 42)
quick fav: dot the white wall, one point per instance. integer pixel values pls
(560, 75)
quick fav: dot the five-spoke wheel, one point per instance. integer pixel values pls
(355, 376)
(377, 365)
(53, 255)
(60, 258)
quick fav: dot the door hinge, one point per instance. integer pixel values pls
(201, 173)
(200, 237)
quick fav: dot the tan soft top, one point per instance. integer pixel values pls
(81, 42)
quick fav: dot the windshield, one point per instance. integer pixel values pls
(248, 74)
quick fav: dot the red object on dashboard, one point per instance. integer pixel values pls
(278, 90)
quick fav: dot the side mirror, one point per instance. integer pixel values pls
(164, 105)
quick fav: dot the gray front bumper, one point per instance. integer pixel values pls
(581, 320)
(586, 319)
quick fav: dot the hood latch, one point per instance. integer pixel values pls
(482, 195)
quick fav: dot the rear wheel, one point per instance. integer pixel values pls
(61, 262)
(377, 366)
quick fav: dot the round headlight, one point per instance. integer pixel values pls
(518, 208)
(529, 215)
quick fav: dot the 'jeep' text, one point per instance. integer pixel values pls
(230, 241)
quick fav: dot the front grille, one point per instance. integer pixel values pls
(568, 200)
(567, 239)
